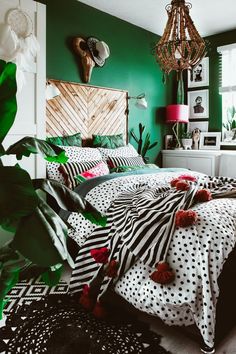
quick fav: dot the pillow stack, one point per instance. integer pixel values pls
(86, 162)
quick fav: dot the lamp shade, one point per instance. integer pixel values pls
(51, 91)
(177, 113)
(141, 103)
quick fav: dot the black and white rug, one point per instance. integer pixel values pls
(57, 323)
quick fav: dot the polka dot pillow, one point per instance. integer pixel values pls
(123, 151)
(90, 169)
(75, 154)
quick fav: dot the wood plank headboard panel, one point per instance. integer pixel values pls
(86, 109)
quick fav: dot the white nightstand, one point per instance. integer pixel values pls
(205, 161)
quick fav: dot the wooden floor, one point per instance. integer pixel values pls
(178, 342)
(175, 340)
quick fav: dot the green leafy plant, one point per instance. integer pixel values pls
(144, 144)
(38, 233)
(231, 119)
(186, 135)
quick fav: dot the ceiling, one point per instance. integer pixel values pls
(210, 16)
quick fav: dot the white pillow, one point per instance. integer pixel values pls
(123, 151)
(75, 154)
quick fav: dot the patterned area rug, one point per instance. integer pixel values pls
(56, 323)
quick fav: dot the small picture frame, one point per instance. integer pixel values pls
(198, 102)
(169, 141)
(202, 126)
(199, 75)
(210, 141)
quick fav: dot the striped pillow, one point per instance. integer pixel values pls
(125, 161)
(71, 169)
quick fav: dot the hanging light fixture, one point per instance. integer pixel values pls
(181, 47)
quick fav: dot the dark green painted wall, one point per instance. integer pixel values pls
(131, 65)
(215, 103)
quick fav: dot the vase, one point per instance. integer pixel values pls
(187, 144)
(229, 135)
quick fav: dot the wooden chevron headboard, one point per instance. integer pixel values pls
(86, 109)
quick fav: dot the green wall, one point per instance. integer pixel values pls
(215, 103)
(131, 65)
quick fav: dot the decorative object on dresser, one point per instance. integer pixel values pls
(186, 140)
(169, 142)
(210, 141)
(196, 138)
(181, 47)
(143, 145)
(177, 113)
(199, 75)
(198, 102)
(91, 52)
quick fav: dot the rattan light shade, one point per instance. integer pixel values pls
(181, 47)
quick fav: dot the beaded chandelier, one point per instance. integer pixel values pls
(181, 47)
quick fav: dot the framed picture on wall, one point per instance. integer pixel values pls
(210, 141)
(199, 75)
(202, 126)
(169, 142)
(198, 102)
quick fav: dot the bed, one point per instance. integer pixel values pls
(197, 253)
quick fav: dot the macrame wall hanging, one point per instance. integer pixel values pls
(18, 44)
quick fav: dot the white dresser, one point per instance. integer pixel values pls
(205, 161)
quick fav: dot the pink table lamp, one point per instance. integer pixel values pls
(177, 113)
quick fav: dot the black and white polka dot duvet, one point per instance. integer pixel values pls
(196, 253)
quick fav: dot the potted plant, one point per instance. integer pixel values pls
(230, 124)
(38, 234)
(143, 144)
(186, 140)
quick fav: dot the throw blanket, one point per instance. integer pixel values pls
(196, 285)
(141, 223)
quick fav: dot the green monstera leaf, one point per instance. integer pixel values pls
(41, 237)
(29, 145)
(69, 200)
(8, 103)
(17, 196)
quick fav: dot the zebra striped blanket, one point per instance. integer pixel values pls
(196, 253)
(140, 226)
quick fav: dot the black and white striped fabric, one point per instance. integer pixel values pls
(71, 169)
(125, 161)
(140, 226)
